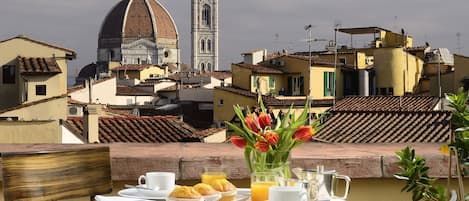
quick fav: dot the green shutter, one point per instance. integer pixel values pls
(326, 81)
(333, 83)
(271, 82)
(254, 79)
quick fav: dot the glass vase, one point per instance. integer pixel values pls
(273, 162)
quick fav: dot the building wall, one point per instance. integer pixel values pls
(317, 83)
(241, 77)
(69, 138)
(52, 110)
(219, 137)
(447, 84)
(103, 92)
(10, 50)
(264, 79)
(51, 83)
(132, 100)
(461, 70)
(29, 132)
(224, 112)
(390, 65)
(196, 94)
(391, 39)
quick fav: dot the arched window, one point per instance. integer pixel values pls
(202, 45)
(202, 67)
(206, 15)
(209, 45)
(209, 67)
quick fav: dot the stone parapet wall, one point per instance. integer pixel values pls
(187, 159)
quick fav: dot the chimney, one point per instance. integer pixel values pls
(91, 123)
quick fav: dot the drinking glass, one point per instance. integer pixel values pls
(261, 183)
(212, 173)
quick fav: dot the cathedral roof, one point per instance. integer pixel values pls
(138, 19)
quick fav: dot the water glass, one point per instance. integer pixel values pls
(212, 173)
(261, 183)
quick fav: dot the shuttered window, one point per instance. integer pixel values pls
(329, 83)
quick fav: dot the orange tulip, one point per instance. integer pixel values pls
(262, 146)
(271, 137)
(303, 133)
(264, 120)
(252, 121)
(238, 141)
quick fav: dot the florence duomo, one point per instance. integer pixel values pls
(144, 32)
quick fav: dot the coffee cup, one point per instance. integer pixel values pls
(158, 180)
(282, 193)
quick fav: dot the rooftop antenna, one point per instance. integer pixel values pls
(276, 42)
(458, 36)
(394, 26)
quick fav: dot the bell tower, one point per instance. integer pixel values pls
(205, 35)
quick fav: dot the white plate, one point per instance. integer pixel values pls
(243, 194)
(144, 194)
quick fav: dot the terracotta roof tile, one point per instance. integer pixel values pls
(207, 132)
(386, 103)
(216, 74)
(162, 129)
(136, 67)
(41, 43)
(131, 91)
(35, 66)
(260, 68)
(164, 23)
(386, 127)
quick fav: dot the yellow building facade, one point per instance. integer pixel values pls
(140, 71)
(33, 84)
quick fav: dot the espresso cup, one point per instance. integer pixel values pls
(283, 193)
(158, 180)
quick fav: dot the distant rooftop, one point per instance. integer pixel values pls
(362, 30)
(386, 103)
(157, 129)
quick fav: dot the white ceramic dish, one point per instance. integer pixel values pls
(214, 197)
(184, 199)
(141, 193)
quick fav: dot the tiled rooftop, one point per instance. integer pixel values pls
(158, 129)
(134, 67)
(260, 68)
(41, 43)
(32, 103)
(131, 91)
(386, 127)
(386, 103)
(38, 66)
(216, 74)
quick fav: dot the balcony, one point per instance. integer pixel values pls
(370, 166)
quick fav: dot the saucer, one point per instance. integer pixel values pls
(144, 193)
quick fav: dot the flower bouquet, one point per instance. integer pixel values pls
(267, 146)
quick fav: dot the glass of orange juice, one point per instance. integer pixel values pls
(260, 184)
(212, 173)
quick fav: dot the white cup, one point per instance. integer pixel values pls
(158, 180)
(283, 193)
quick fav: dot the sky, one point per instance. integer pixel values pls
(246, 24)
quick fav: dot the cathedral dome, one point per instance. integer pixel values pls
(131, 19)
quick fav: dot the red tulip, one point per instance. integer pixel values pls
(238, 141)
(271, 137)
(252, 122)
(264, 120)
(303, 133)
(262, 146)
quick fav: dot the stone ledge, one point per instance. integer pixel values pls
(187, 159)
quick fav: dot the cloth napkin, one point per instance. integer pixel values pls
(116, 198)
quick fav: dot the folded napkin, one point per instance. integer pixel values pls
(116, 198)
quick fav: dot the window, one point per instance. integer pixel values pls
(221, 102)
(271, 82)
(8, 74)
(391, 91)
(209, 45)
(202, 45)
(41, 90)
(382, 91)
(329, 83)
(206, 15)
(209, 67)
(202, 67)
(166, 54)
(254, 81)
(342, 61)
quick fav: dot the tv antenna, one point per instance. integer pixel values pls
(458, 37)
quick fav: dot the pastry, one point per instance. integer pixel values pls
(205, 189)
(186, 192)
(227, 189)
(222, 185)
